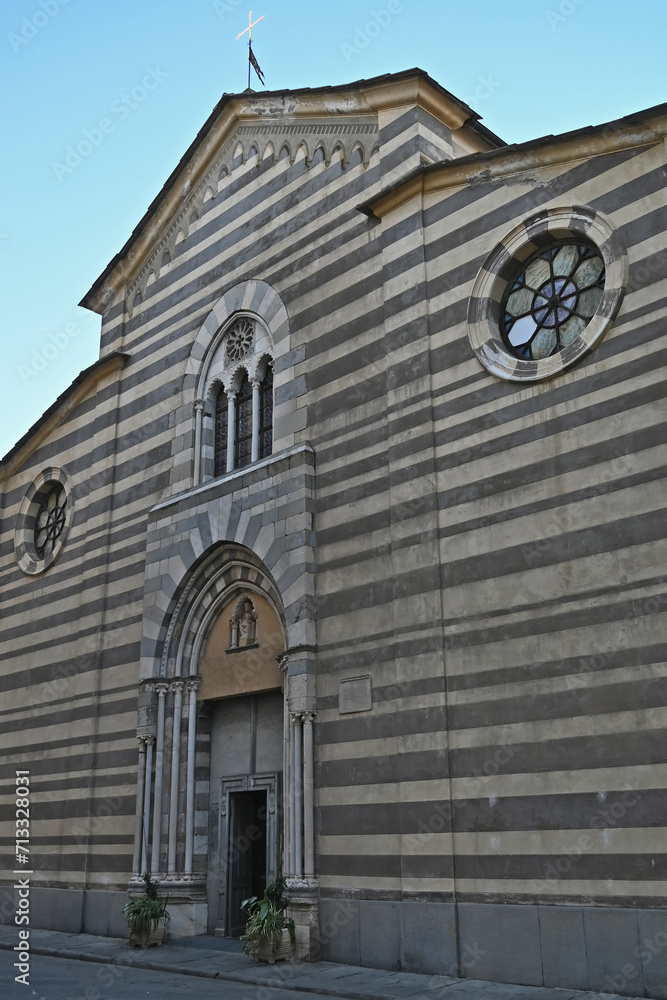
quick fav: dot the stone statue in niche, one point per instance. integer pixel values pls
(243, 624)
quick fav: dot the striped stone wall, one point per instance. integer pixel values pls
(488, 554)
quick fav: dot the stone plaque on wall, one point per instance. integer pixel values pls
(355, 695)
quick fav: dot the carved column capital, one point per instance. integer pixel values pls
(199, 405)
(178, 684)
(193, 683)
(161, 688)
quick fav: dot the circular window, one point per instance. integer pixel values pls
(547, 294)
(43, 521)
(50, 522)
(239, 340)
(552, 300)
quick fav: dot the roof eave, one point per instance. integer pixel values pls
(644, 128)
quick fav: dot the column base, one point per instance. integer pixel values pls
(303, 908)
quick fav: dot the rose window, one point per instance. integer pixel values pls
(239, 340)
(551, 300)
(50, 522)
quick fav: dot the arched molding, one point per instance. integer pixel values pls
(218, 370)
(222, 574)
(255, 299)
(334, 138)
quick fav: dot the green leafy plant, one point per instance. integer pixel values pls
(146, 913)
(267, 919)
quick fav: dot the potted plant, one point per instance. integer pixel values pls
(147, 915)
(269, 933)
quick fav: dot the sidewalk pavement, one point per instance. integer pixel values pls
(222, 958)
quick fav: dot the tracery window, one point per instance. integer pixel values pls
(552, 299)
(234, 411)
(50, 522)
(547, 293)
(244, 429)
(266, 414)
(221, 424)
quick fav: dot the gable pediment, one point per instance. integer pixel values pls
(276, 137)
(334, 119)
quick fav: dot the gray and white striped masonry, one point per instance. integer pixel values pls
(490, 551)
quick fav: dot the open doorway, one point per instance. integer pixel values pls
(245, 794)
(247, 861)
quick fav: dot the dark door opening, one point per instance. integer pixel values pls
(247, 863)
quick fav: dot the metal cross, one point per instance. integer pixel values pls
(251, 25)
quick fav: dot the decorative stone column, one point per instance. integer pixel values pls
(178, 684)
(199, 411)
(302, 886)
(296, 719)
(139, 820)
(308, 797)
(193, 684)
(161, 688)
(254, 453)
(150, 743)
(231, 429)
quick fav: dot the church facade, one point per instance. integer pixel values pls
(346, 558)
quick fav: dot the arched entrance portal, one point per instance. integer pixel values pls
(225, 729)
(242, 688)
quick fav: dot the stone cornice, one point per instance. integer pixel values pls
(550, 151)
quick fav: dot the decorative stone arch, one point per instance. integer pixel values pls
(206, 370)
(170, 837)
(224, 571)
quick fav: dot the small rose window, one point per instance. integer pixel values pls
(43, 521)
(551, 300)
(240, 340)
(50, 522)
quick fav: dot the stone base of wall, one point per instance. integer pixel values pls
(93, 911)
(597, 948)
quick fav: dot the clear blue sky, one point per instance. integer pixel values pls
(529, 67)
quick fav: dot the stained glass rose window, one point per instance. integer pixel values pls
(551, 300)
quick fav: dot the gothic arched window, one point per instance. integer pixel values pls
(243, 435)
(234, 411)
(220, 433)
(266, 414)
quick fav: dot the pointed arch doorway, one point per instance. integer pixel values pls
(242, 691)
(224, 647)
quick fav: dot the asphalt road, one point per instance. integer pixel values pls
(66, 979)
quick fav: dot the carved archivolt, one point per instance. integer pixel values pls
(315, 140)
